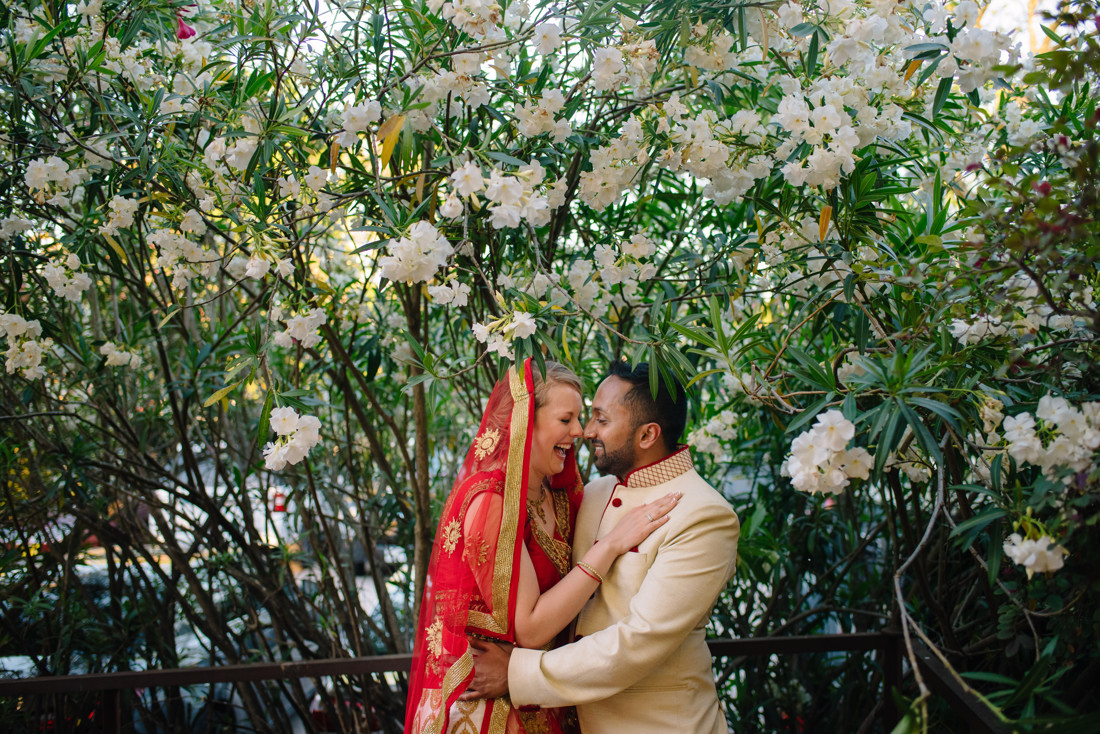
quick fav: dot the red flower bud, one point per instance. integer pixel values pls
(183, 31)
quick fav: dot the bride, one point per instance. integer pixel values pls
(501, 565)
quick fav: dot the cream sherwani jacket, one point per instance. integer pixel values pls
(641, 663)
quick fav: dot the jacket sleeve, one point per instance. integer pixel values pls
(690, 569)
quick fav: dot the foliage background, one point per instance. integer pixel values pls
(214, 215)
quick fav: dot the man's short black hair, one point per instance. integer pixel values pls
(667, 410)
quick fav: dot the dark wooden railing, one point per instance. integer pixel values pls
(972, 711)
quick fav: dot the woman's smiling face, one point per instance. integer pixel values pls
(557, 427)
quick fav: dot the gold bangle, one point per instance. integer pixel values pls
(588, 569)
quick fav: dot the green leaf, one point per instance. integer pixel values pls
(809, 414)
(949, 414)
(943, 91)
(238, 366)
(887, 437)
(978, 522)
(1053, 36)
(924, 436)
(919, 48)
(813, 372)
(505, 158)
(220, 394)
(171, 312)
(695, 335)
(811, 54)
(264, 425)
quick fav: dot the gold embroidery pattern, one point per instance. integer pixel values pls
(559, 552)
(486, 443)
(534, 722)
(462, 667)
(481, 620)
(663, 471)
(477, 552)
(463, 724)
(498, 719)
(434, 638)
(451, 534)
(513, 494)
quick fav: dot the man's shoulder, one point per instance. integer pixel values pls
(600, 486)
(701, 498)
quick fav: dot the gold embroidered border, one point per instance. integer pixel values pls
(498, 722)
(559, 552)
(665, 470)
(455, 675)
(513, 494)
(484, 621)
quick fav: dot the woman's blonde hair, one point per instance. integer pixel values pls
(556, 374)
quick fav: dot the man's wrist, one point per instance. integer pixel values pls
(519, 663)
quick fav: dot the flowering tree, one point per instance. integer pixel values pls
(261, 264)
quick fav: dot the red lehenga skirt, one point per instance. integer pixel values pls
(552, 559)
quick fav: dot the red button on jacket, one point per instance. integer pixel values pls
(616, 502)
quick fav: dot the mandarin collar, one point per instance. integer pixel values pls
(665, 470)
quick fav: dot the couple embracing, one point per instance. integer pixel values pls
(522, 549)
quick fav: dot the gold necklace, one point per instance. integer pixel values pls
(537, 508)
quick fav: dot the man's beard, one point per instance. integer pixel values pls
(618, 462)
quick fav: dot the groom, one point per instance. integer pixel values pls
(640, 662)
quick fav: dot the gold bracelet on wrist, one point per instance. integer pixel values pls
(588, 569)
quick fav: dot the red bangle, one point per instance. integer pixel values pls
(591, 572)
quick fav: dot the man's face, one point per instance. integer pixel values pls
(611, 429)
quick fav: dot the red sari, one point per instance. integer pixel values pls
(473, 575)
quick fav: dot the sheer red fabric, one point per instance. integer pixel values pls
(473, 575)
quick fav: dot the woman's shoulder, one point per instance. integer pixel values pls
(483, 481)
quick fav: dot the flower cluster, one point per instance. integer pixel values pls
(478, 18)
(182, 257)
(52, 176)
(25, 350)
(302, 329)
(117, 357)
(452, 292)
(537, 118)
(626, 269)
(820, 460)
(1072, 436)
(709, 437)
(499, 334)
(121, 215)
(909, 462)
(615, 166)
(296, 435)
(710, 51)
(417, 257)
(66, 280)
(10, 226)
(512, 198)
(357, 119)
(1035, 554)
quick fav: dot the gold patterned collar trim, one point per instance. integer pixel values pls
(677, 463)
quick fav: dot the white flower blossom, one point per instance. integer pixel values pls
(1041, 554)
(523, 325)
(296, 436)
(417, 257)
(467, 180)
(820, 460)
(547, 38)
